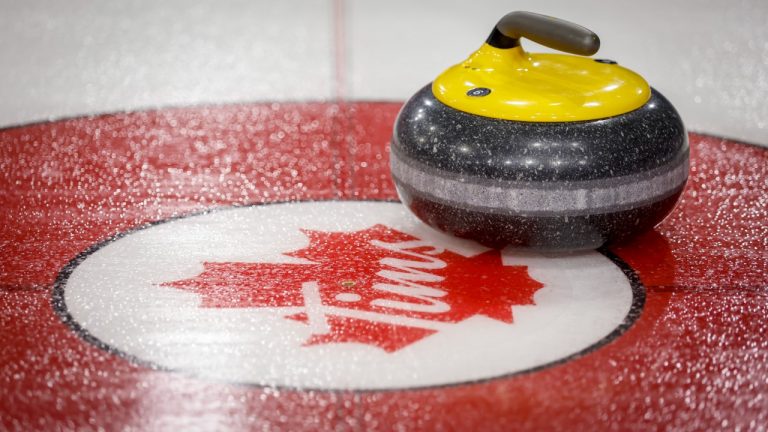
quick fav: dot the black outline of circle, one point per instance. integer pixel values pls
(60, 308)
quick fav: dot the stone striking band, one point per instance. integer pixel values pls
(542, 198)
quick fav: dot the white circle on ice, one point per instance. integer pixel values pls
(114, 296)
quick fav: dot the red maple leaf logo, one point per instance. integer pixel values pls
(376, 286)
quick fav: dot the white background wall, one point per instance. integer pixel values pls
(58, 59)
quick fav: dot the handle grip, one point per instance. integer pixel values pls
(548, 31)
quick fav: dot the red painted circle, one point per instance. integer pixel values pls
(696, 359)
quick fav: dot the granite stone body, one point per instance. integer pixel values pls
(544, 185)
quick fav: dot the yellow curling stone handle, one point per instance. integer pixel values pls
(500, 80)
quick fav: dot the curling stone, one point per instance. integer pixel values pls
(544, 151)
